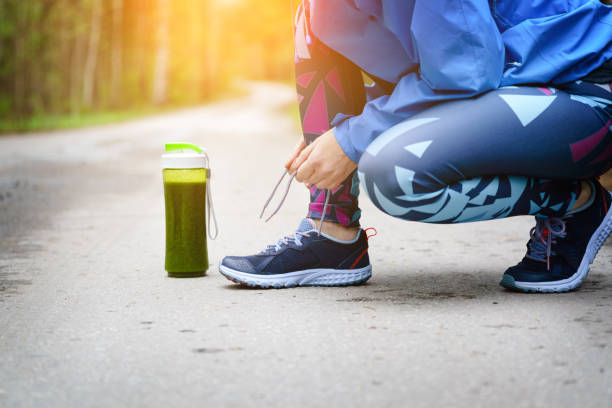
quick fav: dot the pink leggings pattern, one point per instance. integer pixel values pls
(327, 85)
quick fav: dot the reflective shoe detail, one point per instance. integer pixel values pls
(561, 251)
(304, 258)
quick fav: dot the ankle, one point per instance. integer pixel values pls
(584, 198)
(338, 231)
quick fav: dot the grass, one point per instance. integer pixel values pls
(45, 122)
(70, 121)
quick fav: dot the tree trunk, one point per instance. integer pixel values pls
(19, 84)
(213, 37)
(116, 53)
(160, 73)
(76, 62)
(92, 53)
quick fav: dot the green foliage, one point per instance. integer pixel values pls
(67, 121)
(46, 47)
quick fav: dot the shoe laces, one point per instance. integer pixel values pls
(282, 201)
(543, 236)
(296, 238)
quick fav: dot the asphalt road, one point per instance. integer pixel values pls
(89, 319)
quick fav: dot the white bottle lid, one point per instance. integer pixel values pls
(184, 156)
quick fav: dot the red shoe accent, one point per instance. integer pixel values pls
(368, 229)
(365, 250)
(358, 259)
(603, 193)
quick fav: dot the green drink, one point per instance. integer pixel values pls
(185, 177)
(185, 197)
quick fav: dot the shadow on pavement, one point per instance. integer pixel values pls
(441, 288)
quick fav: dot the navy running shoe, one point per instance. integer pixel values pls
(303, 259)
(561, 250)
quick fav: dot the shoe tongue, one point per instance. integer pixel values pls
(306, 225)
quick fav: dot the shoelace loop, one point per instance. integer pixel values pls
(543, 236)
(282, 201)
(368, 236)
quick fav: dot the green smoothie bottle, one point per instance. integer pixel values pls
(186, 176)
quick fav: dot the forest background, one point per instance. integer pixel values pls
(74, 62)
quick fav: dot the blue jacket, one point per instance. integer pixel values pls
(440, 50)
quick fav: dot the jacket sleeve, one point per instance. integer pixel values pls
(561, 48)
(460, 52)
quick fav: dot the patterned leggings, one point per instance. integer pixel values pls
(511, 151)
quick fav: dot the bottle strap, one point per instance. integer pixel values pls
(209, 204)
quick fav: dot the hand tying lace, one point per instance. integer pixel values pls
(543, 236)
(296, 238)
(291, 177)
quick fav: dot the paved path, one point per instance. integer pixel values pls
(88, 317)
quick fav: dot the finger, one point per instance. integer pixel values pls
(305, 172)
(327, 184)
(317, 179)
(322, 182)
(301, 158)
(329, 181)
(296, 151)
(332, 178)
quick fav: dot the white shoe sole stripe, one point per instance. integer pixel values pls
(308, 277)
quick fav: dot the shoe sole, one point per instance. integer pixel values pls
(597, 240)
(308, 277)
